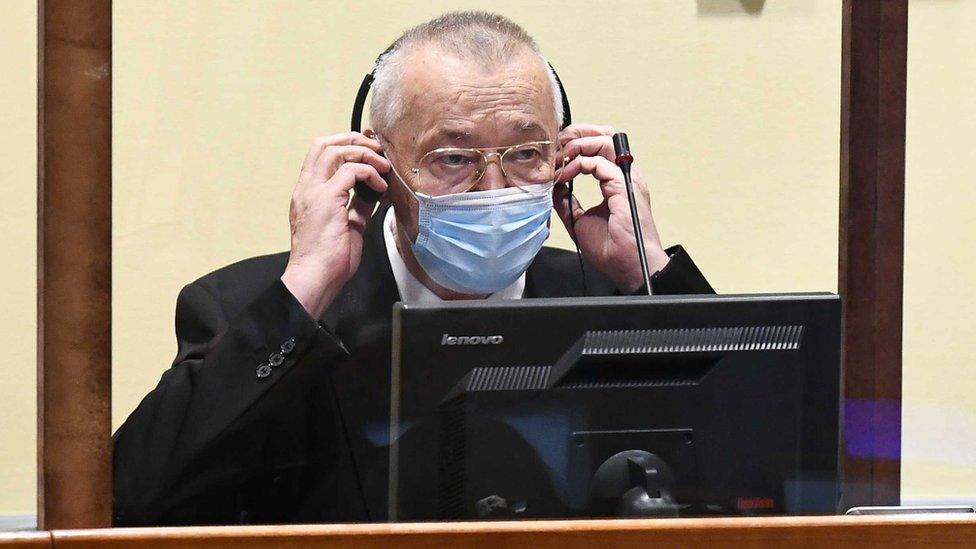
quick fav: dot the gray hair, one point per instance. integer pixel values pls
(471, 35)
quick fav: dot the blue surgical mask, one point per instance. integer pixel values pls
(481, 242)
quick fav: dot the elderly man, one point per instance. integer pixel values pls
(276, 407)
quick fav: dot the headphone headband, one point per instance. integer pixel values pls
(357, 107)
(567, 114)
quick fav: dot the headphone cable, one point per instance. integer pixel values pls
(572, 226)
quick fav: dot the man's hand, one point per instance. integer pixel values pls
(326, 226)
(605, 233)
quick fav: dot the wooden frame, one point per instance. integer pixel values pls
(870, 267)
(75, 250)
(74, 263)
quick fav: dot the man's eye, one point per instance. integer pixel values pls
(523, 155)
(454, 159)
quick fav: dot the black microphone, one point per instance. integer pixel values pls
(624, 159)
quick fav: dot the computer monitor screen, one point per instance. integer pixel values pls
(628, 406)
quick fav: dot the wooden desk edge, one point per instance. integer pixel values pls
(770, 528)
(26, 540)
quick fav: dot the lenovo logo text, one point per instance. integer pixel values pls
(471, 340)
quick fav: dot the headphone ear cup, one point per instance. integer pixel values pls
(362, 190)
(366, 193)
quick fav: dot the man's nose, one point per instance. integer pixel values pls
(494, 177)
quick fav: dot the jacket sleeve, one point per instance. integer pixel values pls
(198, 436)
(679, 276)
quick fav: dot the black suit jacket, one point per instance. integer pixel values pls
(214, 443)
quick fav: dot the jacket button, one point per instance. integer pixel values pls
(276, 359)
(288, 346)
(263, 370)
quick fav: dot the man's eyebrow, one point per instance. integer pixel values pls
(528, 127)
(445, 135)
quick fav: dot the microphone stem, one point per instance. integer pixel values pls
(632, 200)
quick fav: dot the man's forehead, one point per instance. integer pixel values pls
(452, 100)
(422, 59)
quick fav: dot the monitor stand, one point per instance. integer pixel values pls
(633, 483)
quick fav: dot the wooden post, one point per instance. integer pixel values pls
(872, 206)
(74, 263)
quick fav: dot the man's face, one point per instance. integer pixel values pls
(454, 103)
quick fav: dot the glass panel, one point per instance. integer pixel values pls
(732, 111)
(938, 410)
(18, 247)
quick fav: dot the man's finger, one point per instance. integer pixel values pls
(601, 145)
(334, 156)
(599, 167)
(575, 131)
(349, 173)
(319, 144)
(606, 172)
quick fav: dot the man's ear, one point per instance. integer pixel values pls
(368, 132)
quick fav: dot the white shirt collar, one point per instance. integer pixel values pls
(412, 290)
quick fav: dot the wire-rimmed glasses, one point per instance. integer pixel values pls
(451, 170)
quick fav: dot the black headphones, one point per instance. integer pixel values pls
(363, 190)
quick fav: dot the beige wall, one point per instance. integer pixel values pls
(734, 117)
(18, 191)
